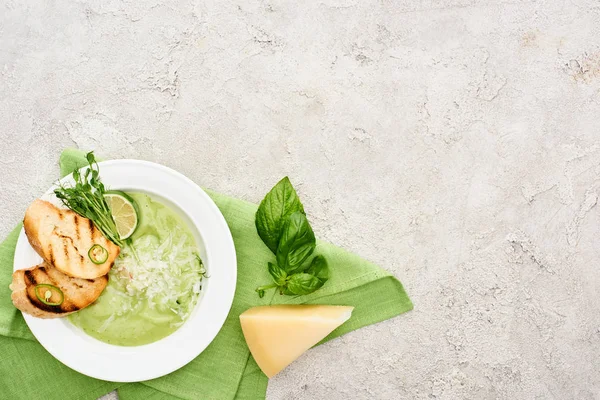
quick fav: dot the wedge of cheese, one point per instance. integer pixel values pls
(277, 335)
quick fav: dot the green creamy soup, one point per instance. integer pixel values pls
(153, 285)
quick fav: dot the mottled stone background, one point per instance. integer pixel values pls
(455, 142)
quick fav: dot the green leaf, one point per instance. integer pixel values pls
(90, 158)
(319, 268)
(286, 291)
(303, 283)
(296, 244)
(281, 202)
(278, 274)
(261, 293)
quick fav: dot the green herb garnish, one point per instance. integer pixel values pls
(86, 198)
(202, 269)
(282, 225)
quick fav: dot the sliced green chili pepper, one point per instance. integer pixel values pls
(98, 254)
(47, 294)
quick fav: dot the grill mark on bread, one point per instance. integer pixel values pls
(69, 238)
(51, 253)
(30, 277)
(76, 222)
(69, 307)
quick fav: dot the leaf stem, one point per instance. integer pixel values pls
(266, 287)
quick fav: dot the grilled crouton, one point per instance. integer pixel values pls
(63, 238)
(78, 293)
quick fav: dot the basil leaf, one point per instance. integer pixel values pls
(278, 274)
(281, 202)
(296, 244)
(319, 268)
(303, 283)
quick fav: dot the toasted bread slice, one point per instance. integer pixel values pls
(78, 293)
(63, 238)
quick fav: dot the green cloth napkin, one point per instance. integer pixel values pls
(225, 370)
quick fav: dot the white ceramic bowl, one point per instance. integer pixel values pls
(97, 359)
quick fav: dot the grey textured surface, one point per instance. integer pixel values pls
(456, 143)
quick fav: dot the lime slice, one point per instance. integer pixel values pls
(124, 212)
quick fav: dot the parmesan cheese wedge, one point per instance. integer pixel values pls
(278, 335)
